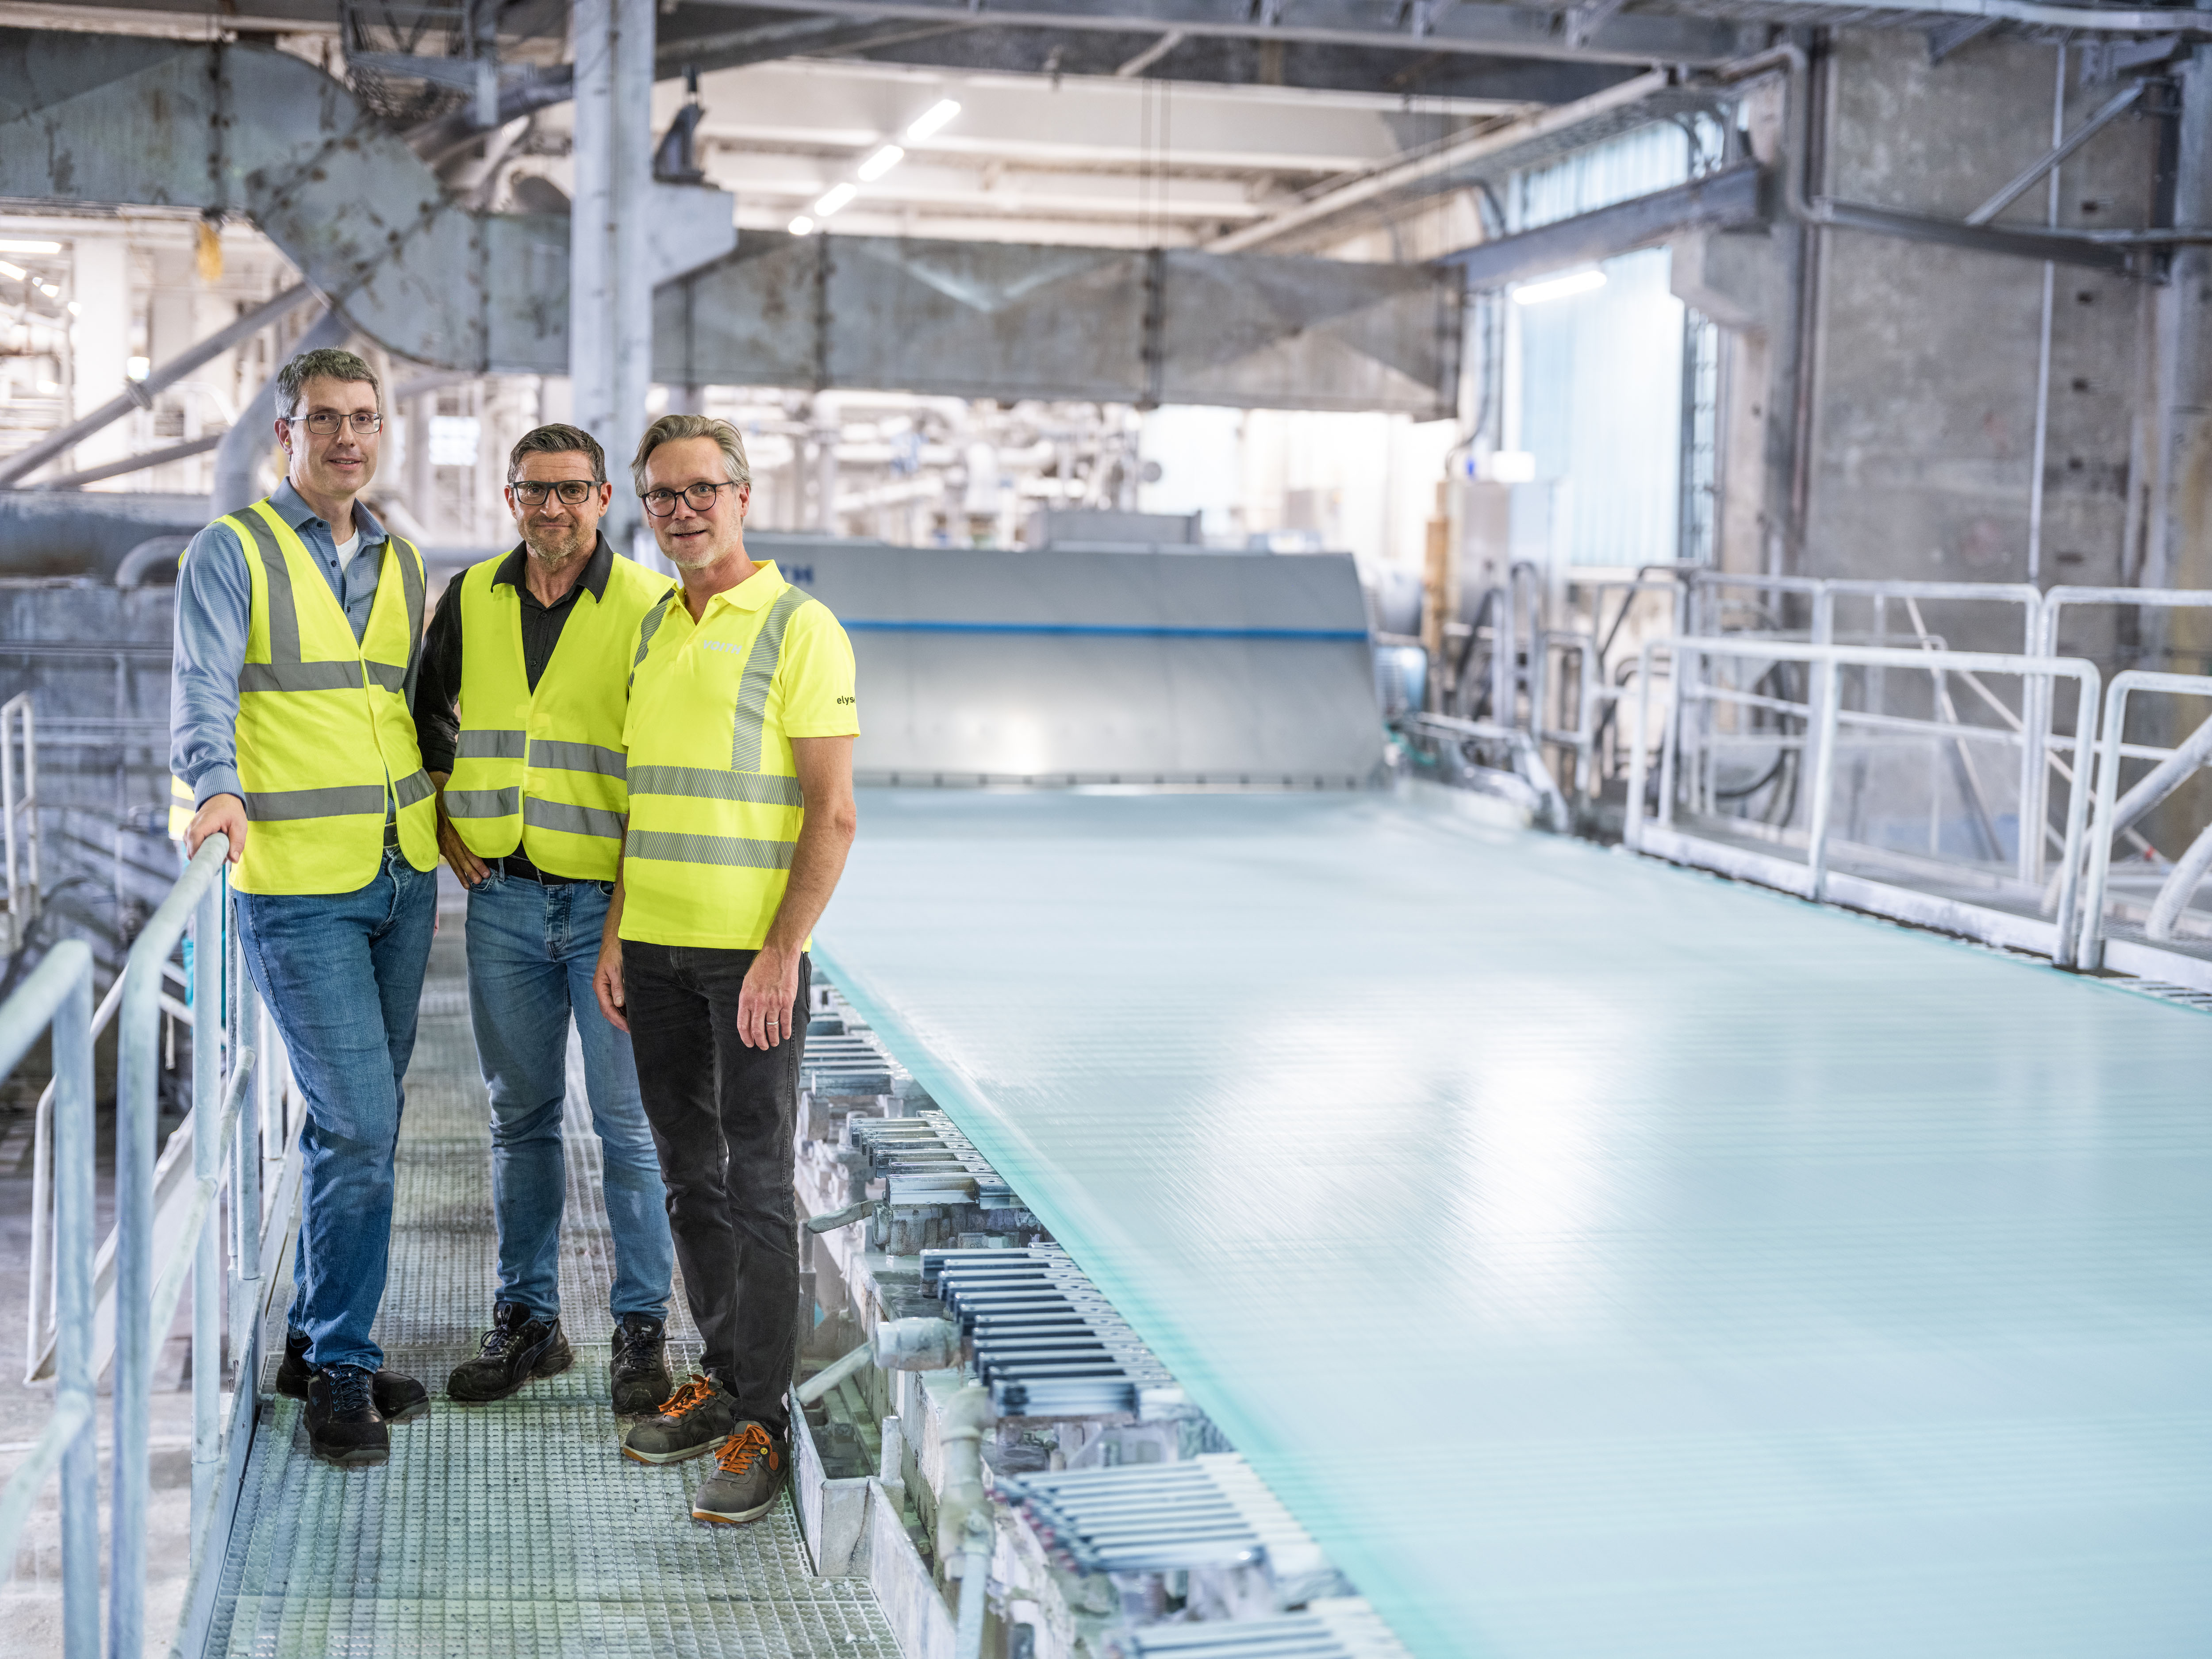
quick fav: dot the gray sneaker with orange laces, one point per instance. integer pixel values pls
(697, 1417)
(747, 1473)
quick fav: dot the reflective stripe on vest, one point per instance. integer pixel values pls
(715, 805)
(325, 743)
(543, 771)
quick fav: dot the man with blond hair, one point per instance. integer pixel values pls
(739, 734)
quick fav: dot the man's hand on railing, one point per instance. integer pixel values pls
(221, 815)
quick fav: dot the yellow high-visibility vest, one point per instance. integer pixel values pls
(714, 802)
(323, 732)
(545, 770)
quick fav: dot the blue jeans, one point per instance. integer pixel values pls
(532, 951)
(342, 974)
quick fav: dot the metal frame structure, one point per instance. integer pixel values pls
(1812, 877)
(2148, 957)
(227, 1145)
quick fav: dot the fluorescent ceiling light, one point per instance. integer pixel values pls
(836, 197)
(13, 273)
(1557, 288)
(74, 309)
(19, 245)
(931, 120)
(50, 290)
(881, 162)
(802, 226)
(137, 368)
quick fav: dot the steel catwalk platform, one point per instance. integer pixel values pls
(516, 1529)
(1604, 1261)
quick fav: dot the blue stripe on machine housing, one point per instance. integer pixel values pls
(1107, 630)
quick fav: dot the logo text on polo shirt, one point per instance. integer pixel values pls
(724, 645)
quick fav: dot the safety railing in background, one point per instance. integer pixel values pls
(226, 1142)
(2055, 604)
(2173, 766)
(59, 997)
(19, 815)
(1823, 716)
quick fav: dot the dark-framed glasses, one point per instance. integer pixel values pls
(324, 423)
(699, 498)
(573, 492)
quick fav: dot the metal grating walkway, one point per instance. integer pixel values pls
(1598, 1259)
(515, 1528)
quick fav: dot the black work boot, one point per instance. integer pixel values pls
(639, 1368)
(343, 1424)
(519, 1346)
(398, 1399)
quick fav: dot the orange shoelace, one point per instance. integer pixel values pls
(692, 1391)
(741, 1450)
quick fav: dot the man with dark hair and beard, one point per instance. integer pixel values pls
(532, 646)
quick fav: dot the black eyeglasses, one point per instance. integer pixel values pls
(699, 498)
(574, 492)
(325, 421)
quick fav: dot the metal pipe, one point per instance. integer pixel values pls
(2043, 347)
(141, 394)
(975, 1544)
(140, 1066)
(139, 463)
(207, 1166)
(831, 1375)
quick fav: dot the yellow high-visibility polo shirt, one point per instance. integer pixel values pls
(715, 803)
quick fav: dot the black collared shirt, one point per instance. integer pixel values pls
(437, 722)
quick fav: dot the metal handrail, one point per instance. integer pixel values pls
(1822, 715)
(225, 1140)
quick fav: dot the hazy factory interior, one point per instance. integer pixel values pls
(1534, 864)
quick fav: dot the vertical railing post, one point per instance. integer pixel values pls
(74, 1134)
(244, 1181)
(138, 1044)
(135, 1337)
(2077, 809)
(2107, 774)
(2037, 705)
(1823, 777)
(207, 1151)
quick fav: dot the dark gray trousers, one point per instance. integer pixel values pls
(722, 1117)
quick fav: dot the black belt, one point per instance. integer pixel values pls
(522, 869)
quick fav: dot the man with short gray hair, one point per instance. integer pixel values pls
(299, 628)
(740, 737)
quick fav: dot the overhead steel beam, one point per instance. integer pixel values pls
(140, 394)
(1722, 201)
(1448, 164)
(1494, 31)
(1008, 321)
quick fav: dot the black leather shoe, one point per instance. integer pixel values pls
(398, 1399)
(344, 1427)
(518, 1347)
(639, 1368)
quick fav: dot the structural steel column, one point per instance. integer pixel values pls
(610, 289)
(2181, 552)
